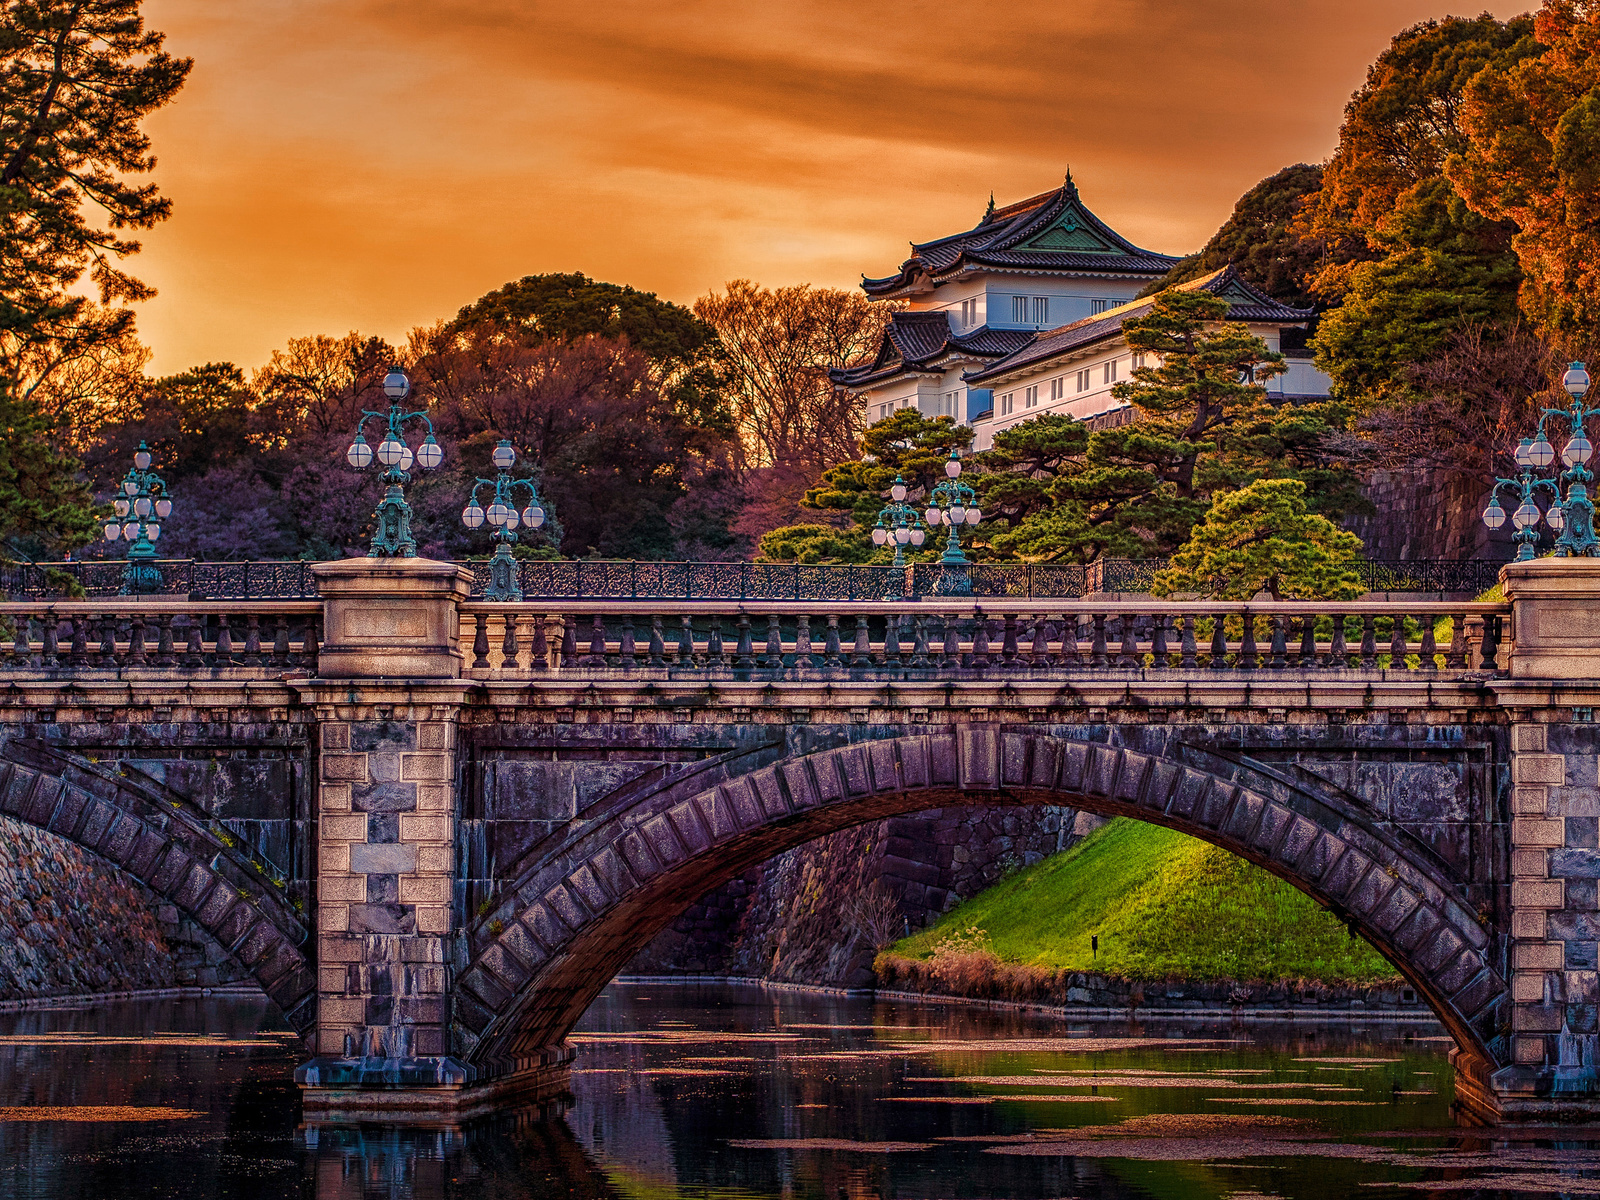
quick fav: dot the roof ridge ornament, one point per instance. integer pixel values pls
(988, 213)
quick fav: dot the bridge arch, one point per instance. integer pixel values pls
(587, 904)
(158, 841)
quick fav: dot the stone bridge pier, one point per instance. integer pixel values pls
(435, 827)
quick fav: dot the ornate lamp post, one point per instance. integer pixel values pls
(502, 514)
(1531, 455)
(392, 537)
(953, 504)
(898, 522)
(143, 504)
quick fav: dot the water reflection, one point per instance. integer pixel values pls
(732, 1092)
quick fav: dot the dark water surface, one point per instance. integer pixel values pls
(734, 1092)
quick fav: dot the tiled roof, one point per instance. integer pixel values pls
(914, 340)
(1246, 302)
(1049, 232)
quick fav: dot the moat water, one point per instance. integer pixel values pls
(735, 1093)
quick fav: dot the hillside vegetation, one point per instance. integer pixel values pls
(1163, 905)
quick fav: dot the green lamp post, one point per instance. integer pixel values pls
(503, 515)
(953, 504)
(391, 538)
(142, 503)
(898, 522)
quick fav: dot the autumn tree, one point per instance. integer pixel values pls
(778, 347)
(1530, 157)
(1262, 538)
(318, 385)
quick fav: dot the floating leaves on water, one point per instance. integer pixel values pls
(827, 1144)
(97, 1112)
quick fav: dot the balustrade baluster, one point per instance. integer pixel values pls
(951, 645)
(280, 642)
(252, 640)
(311, 642)
(510, 651)
(1429, 647)
(1369, 641)
(686, 654)
(1097, 650)
(1307, 657)
(627, 649)
(1219, 642)
(716, 655)
(539, 647)
(1070, 657)
(803, 655)
(831, 647)
(1008, 644)
(1158, 642)
(1456, 657)
(1039, 652)
(861, 651)
(1249, 657)
(1280, 643)
(891, 640)
(1398, 644)
(567, 655)
(21, 641)
(108, 641)
(1489, 650)
(773, 658)
(919, 646)
(658, 643)
(480, 641)
(80, 641)
(1128, 656)
(135, 656)
(1338, 652)
(1188, 655)
(194, 641)
(980, 641)
(50, 642)
(745, 654)
(597, 643)
(224, 656)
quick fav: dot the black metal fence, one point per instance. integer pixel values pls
(714, 581)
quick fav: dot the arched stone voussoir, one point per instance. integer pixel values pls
(118, 825)
(575, 917)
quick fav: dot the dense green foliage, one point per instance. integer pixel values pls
(1163, 905)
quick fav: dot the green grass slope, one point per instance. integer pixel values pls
(1163, 905)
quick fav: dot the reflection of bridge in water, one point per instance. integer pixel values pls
(433, 828)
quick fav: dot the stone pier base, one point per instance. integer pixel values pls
(427, 1090)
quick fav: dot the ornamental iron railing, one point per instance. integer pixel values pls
(587, 580)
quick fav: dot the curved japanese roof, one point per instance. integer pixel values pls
(1246, 303)
(916, 341)
(1051, 232)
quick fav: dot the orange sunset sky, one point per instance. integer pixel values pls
(376, 164)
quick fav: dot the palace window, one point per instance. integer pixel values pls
(947, 405)
(1083, 380)
(1037, 306)
(1008, 404)
(1030, 396)
(969, 313)
(884, 410)
(1058, 387)
(1096, 307)
(1110, 372)
(1137, 362)
(1041, 310)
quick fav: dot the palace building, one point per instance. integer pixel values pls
(1023, 314)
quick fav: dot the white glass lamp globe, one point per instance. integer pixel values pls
(533, 516)
(504, 456)
(512, 520)
(1527, 515)
(902, 535)
(1540, 452)
(1578, 451)
(1494, 516)
(406, 457)
(142, 506)
(932, 515)
(1576, 381)
(122, 508)
(141, 458)
(496, 513)
(952, 468)
(130, 531)
(391, 450)
(396, 385)
(113, 532)
(430, 454)
(152, 532)
(958, 514)
(880, 535)
(472, 516)
(1555, 518)
(163, 508)
(918, 537)
(1523, 458)
(974, 515)
(898, 491)
(129, 487)
(359, 455)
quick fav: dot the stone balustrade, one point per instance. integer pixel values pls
(134, 632)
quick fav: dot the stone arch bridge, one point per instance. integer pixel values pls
(433, 828)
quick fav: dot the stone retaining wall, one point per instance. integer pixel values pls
(71, 925)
